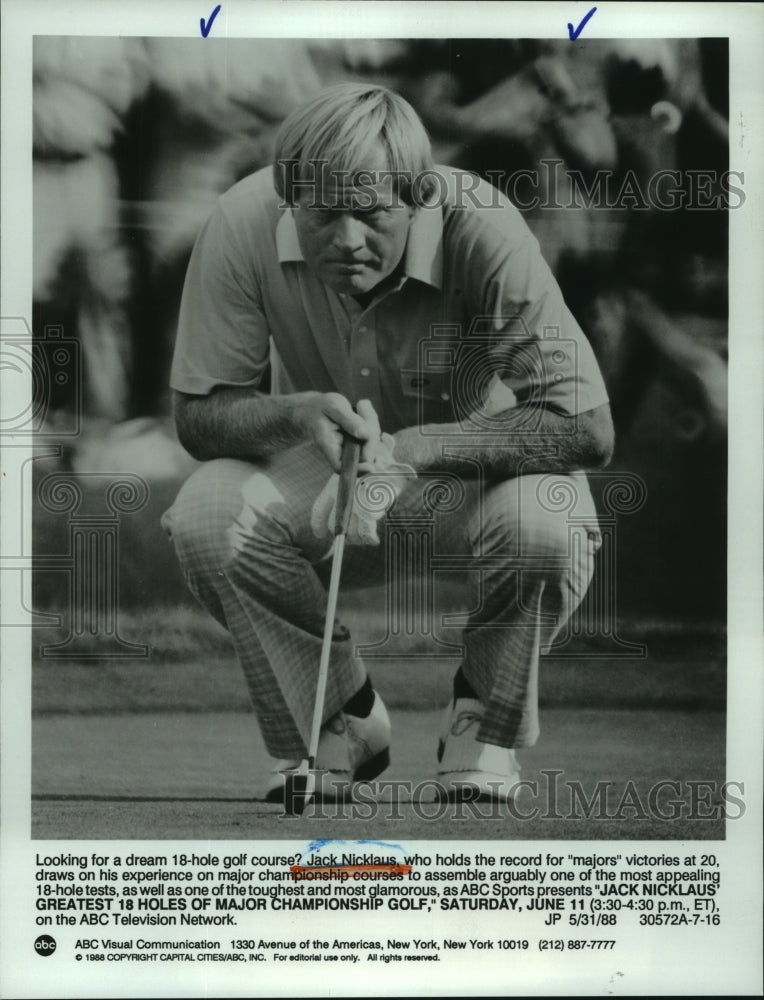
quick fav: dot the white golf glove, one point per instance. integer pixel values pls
(499, 397)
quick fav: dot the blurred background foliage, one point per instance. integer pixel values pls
(134, 139)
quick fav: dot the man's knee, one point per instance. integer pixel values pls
(207, 517)
(531, 516)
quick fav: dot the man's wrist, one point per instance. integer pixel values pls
(421, 447)
(298, 413)
(403, 451)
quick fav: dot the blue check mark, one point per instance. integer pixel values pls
(573, 33)
(205, 28)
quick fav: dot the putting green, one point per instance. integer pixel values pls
(201, 776)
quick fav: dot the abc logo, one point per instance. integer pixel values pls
(45, 945)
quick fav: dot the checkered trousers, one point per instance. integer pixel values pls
(243, 537)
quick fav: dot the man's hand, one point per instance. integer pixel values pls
(323, 417)
(507, 447)
(377, 452)
(246, 424)
(384, 480)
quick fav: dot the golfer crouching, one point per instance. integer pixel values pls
(408, 306)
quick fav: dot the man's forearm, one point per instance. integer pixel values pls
(237, 423)
(507, 447)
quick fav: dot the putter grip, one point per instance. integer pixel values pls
(351, 455)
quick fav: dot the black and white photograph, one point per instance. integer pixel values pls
(500, 267)
(381, 440)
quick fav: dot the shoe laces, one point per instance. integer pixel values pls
(336, 724)
(358, 740)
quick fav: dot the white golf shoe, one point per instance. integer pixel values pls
(350, 749)
(470, 770)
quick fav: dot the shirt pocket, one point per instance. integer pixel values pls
(428, 394)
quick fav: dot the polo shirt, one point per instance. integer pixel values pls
(474, 302)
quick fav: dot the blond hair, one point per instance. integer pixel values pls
(342, 128)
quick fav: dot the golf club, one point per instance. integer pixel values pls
(300, 787)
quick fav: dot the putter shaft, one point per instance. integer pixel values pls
(351, 453)
(326, 649)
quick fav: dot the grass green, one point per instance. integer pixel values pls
(190, 666)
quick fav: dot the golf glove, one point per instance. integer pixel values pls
(375, 493)
(499, 397)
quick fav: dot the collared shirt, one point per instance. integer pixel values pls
(475, 303)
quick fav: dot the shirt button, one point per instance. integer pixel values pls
(366, 371)
(362, 329)
(444, 396)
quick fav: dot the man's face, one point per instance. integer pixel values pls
(352, 238)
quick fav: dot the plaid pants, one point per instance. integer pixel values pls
(242, 534)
